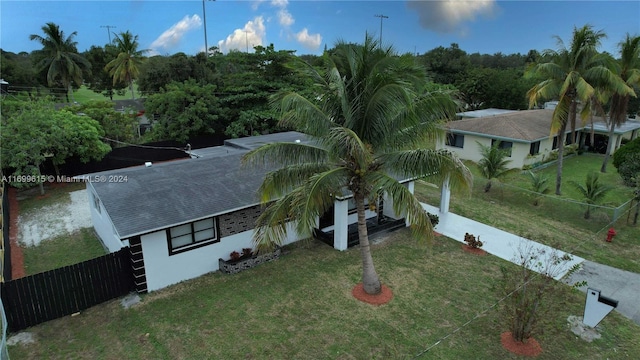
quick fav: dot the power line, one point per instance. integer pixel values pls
(382, 17)
(108, 27)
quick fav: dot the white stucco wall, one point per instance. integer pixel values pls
(102, 224)
(163, 270)
(519, 152)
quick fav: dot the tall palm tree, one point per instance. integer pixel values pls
(628, 70)
(493, 163)
(572, 76)
(369, 121)
(59, 57)
(125, 67)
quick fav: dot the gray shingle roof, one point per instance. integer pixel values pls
(181, 191)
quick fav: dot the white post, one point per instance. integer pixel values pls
(340, 224)
(445, 196)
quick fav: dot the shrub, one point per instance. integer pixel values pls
(472, 242)
(435, 219)
(530, 290)
(630, 169)
(620, 156)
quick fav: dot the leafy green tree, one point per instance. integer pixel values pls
(59, 57)
(370, 120)
(539, 185)
(572, 76)
(593, 191)
(39, 132)
(18, 70)
(126, 67)
(626, 150)
(493, 163)
(99, 80)
(629, 71)
(446, 65)
(185, 110)
(118, 126)
(629, 170)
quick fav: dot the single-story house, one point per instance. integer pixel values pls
(525, 133)
(180, 217)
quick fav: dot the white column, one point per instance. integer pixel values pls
(445, 196)
(340, 224)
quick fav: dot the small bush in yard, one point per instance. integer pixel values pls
(630, 169)
(529, 289)
(472, 242)
(621, 155)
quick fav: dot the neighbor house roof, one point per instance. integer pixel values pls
(522, 126)
(602, 127)
(484, 112)
(172, 193)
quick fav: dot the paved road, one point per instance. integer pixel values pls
(613, 283)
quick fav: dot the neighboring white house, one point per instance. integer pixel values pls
(180, 217)
(526, 133)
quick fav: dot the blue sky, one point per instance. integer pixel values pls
(168, 27)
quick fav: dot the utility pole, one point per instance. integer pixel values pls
(108, 27)
(382, 17)
(246, 39)
(204, 19)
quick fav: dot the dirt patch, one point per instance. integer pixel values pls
(531, 348)
(54, 220)
(475, 251)
(380, 299)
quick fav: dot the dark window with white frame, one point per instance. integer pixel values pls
(455, 140)
(534, 148)
(504, 145)
(555, 143)
(192, 235)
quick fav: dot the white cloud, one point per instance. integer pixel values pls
(252, 34)
(256, 4)
(172, 36)
(310, 41)
(280, 3)
(448, 16)
(285, 18)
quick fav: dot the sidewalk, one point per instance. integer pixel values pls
(496, 242)
(617, 284)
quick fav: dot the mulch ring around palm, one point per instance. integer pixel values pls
(382, 298)
(472, 250)
(530, 348)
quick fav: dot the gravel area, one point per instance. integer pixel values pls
(55, 220)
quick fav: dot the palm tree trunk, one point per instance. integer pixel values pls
(612, 128)
(561, 132)
(70, 90)
(370, 279)
(133, 95)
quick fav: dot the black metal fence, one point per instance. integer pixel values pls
(56, 293)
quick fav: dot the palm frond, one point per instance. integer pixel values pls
(439, 165)
(285, 154)
(405, 203)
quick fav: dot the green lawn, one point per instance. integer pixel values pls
(576, 169)
(300, 307)
(83, 95)
(64, 250)
(554, 222)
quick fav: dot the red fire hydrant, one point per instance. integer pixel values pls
(610, 234)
